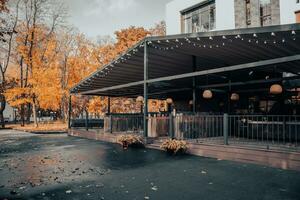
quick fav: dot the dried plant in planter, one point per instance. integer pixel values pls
(130, 140)
(173, 146)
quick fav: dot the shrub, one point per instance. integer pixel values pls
(130, 140)
(174, 146)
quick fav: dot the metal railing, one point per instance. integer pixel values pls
(127, 123)
(222, 129)
(87, 123)
(270, 129)
(198, 126)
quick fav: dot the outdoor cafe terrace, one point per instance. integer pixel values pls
(234, 86)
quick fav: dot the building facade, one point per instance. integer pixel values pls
(190, 16)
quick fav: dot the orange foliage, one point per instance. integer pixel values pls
(42, 81)
(126, 38)
(56, 62)
(3, 5)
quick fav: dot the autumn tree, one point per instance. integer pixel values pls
(37, 50)
(7, 37)
(3, 5)
(126, 38)
(78, 61)
(52, 60)
(159, 29)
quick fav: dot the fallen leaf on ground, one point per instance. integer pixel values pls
(68, 191)
(155, 188)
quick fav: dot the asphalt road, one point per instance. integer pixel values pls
(62, 167)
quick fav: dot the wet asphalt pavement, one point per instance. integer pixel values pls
(62, 167)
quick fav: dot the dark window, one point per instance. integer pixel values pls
(265, 12)
(200, 19)
(248, 12)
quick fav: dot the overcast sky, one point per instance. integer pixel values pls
(103, 17)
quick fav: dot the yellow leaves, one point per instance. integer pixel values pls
(129, 37)
(174, 146)
(95, 105)
(46, 85)
(105, 54)
(17, 96)
(3, 5)
(41, 57)
(53, 63)
(130, 139)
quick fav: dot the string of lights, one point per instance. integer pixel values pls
(197, 42)
(225, 41)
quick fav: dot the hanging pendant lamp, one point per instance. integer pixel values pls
(169, 101)
(207, 94)
(276, 89)
(140, 99)
(235, 97)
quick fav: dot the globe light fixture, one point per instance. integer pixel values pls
(235, 97)
(207, 94)
(140, 99)
(169, 101)
(276, 89)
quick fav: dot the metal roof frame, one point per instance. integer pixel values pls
(173, 65)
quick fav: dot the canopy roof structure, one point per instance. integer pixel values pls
(177, 63)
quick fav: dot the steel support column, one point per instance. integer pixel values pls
(108, 105)
(229, 98)
(145, 89)
(194, 83)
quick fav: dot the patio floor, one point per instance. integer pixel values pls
(62, 167)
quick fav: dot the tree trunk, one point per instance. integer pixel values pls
(2, 107)
(28, 116)
(34, 113)
(64, 108)
(22, 115)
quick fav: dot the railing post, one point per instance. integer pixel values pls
(225, 128)
(171, 128)
(110, 123)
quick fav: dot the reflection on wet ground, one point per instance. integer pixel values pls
(62, 167)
